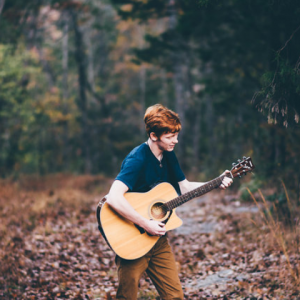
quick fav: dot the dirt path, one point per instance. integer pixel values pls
(220, 255)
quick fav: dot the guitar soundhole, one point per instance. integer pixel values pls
(157, 211)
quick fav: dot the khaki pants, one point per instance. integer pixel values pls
(159, 263)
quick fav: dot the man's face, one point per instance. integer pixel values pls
(167, 141)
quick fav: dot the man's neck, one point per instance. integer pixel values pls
(155, 149)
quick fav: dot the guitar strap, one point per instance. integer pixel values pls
(99, 206)
(172, 176)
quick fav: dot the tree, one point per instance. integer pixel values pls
(232, 49)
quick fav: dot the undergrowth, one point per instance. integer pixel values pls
(281, 229)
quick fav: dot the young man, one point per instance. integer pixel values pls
(146, 166)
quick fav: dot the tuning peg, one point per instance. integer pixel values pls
(244, 157)
(239, 160)
(233, 164)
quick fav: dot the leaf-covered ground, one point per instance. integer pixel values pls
(51, 247)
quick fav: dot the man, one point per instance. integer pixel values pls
(146, 166)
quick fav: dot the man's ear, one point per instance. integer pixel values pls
(153, 137)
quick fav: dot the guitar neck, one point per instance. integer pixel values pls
(203, 189)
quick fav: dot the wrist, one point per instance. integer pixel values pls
(143, 223)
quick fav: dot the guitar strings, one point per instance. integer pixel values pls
(192, 194)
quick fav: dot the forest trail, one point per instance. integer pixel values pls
(219, 251)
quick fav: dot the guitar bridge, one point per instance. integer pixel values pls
(140, 229)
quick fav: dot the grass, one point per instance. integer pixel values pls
(49, 244)
(286, 237)
(28, 202)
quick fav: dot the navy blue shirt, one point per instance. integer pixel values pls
(141, 170)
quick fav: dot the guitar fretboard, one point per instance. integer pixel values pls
(201, 190)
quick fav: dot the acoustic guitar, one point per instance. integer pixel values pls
(130, 241)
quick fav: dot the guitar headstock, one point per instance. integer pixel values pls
(242, 167)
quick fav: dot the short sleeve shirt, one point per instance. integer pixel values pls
(141, 170)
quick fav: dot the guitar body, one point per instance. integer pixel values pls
(128, 240)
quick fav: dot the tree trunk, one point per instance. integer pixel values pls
(282, 146)
(164, 89)
(90, 58)
(209, 116)
(46, 67)
(196, 138)
(196, 105)
(65, 87)
(275, 44)
(142, 82)
(179, 74)
(82, 101)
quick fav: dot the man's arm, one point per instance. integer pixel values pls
(118, 202)
(186, 186)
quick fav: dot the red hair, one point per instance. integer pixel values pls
(161, 120)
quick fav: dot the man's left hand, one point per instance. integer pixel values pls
(226, 181)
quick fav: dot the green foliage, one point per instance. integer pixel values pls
(203, 2)
(253, 185)
(76, 78)
(29, 123)
(280, 94)
(16, 111)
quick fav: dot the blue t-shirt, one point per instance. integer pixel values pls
(141, 170)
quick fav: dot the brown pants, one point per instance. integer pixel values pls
(159, 263)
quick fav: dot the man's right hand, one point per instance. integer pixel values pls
(154, 227)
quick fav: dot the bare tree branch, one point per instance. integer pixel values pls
(1, 5)
(288, 40)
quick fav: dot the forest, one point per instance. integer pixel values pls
(76, 77)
